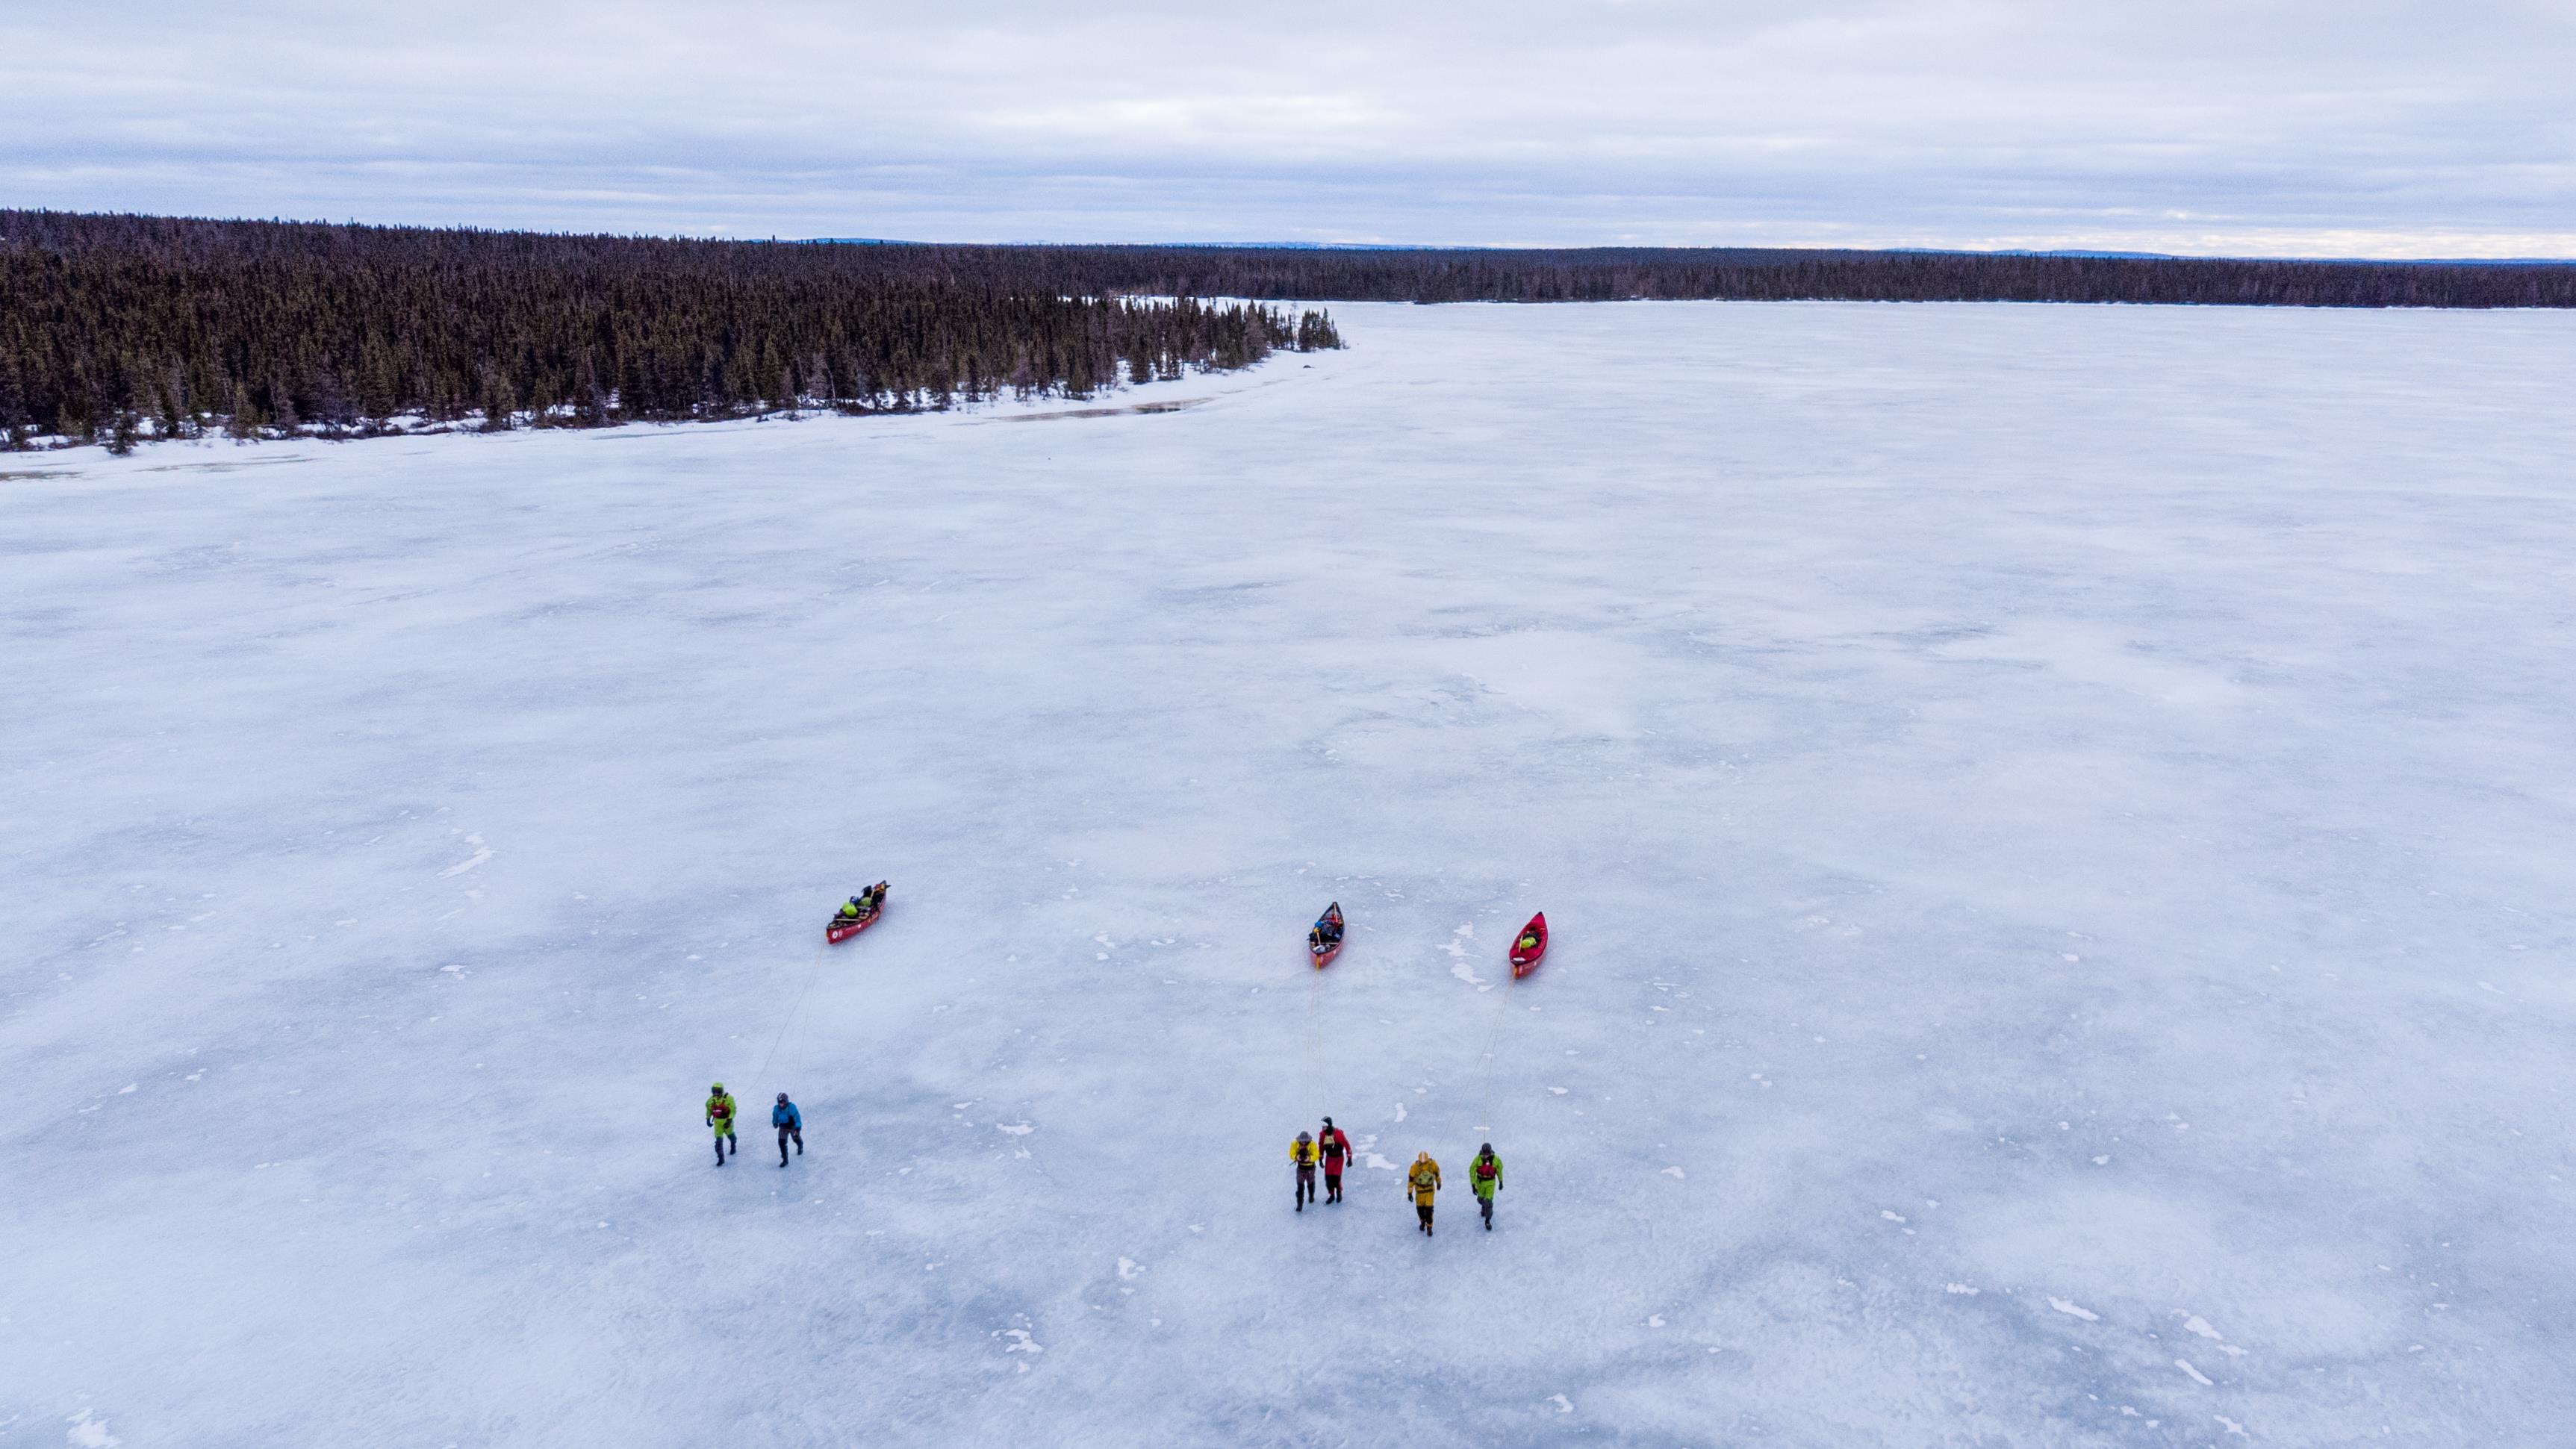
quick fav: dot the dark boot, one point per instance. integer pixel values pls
(719, 1152)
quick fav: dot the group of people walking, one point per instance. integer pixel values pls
(783, 1116)
(1324, 1153)
(1330, 1152)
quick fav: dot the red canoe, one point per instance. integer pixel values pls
(1524, 962)
(1332, 948)
(843, 927)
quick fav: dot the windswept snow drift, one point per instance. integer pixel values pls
(2055, 819)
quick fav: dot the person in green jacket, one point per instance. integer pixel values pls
(1485, 1175)
(720, 1115)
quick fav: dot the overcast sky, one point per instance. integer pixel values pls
(2357, 127)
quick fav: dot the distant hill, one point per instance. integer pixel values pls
(2080, 252)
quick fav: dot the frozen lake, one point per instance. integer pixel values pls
(2057, 823)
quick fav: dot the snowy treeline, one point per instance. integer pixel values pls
(114, 329)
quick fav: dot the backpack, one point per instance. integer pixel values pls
(1488, 1166)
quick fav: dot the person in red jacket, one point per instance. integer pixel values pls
(1336, 1146)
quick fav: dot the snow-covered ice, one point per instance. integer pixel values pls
(1962, 721)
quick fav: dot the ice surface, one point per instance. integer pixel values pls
(2056, 822)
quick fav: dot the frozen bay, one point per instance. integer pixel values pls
(2056, 821)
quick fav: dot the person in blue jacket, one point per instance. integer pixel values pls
(790, 1123)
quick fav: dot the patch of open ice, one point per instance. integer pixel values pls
(481, 854)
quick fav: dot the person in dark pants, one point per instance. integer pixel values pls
(720, 1117)
(1424, 1180)
(1335, 1146)
(1302, 1152)
(790, 1123)
(1485, 1175)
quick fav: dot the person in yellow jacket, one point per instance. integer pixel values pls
(1303, 1153)
(1424, 1179)
(720, 1115)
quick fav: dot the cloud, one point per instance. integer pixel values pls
(2371, 128)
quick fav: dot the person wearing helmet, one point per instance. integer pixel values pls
(1334, 1146)
(1302, 1152)
(1324, 935)
(1485, 1175)
(790, 1123)
(1529, 942)
(865, 904)
(720, 1115)
(1424, 1179)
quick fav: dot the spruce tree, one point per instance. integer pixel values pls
(13, 404)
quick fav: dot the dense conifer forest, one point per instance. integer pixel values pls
(1604, 274)
(119, 327)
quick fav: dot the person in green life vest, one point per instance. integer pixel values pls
(1485, 1175)
(720, 1115)
(1529, 942)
